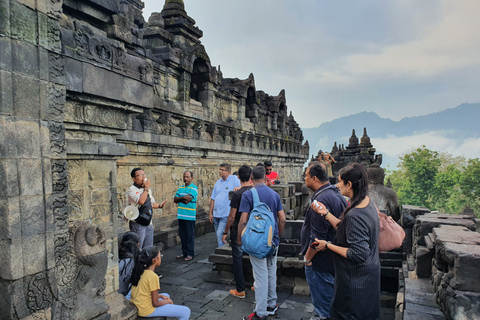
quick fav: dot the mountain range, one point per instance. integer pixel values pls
(455, 130)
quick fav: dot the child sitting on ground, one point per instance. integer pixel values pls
(145, 286)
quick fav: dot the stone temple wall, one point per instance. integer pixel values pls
(88, 91)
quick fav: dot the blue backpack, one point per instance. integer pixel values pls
(257, 237)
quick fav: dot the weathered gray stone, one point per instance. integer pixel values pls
(74, 75)
(8, 146)
(6, 93)
(32, 215)
(423, 260)
(4, 18)
(34, 256)
(11, 264)
(25, 58)
(410, 213)
(458, 304)
(10, 218)
(9, 183)
(114, 86)
(26, 96)
(23, 22)
(30, 170)
(465, 260)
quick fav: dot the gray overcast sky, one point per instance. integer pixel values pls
(335, 58)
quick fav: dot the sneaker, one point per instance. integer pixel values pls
(254, 316)
(237, 294)
(271, 310)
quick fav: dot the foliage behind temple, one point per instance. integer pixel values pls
(438, 181)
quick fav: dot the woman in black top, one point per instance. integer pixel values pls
(357, 264)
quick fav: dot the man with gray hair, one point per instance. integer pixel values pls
(220, 202)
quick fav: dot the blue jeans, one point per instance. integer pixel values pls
(219, 224)
(171, 310)
(321, 290)
(265, 274)
(145, 233)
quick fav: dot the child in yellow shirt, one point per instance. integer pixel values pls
(145, 286)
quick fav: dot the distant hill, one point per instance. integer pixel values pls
(459, 123)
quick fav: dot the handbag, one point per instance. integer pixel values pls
(391, 234)
(145, 213)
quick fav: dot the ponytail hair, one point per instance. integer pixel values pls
(144, 260)
(357, 175)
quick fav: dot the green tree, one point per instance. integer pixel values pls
(438, 181)
(415, 180)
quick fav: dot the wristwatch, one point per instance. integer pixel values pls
(305, 260)
(326, 244)
(225, 233)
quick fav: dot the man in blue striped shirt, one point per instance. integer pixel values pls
(186, 197)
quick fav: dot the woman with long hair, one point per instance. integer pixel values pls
(127, 254)
(145, 286)
(357, 264)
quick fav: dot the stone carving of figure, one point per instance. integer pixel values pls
(328, 160)
(385, 198)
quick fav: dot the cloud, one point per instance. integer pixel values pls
(393, 147)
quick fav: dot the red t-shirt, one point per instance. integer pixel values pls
(272, 177)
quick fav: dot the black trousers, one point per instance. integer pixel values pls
(237, 256)
(186, 231)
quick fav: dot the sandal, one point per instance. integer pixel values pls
(188, 258)
(180, 256)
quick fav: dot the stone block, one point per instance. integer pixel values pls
(6, 92)
(111, 85)
(9, 181)
(81, 147)
(290, 214)
(25, 58)
(100, 197)
(26, 97)
(460, 304)
(11, 264)
(32, 215)
(120, 308)
(292, 230)
(283, 190)
(8, 142)
(23, 22)
(410, 213)
(465, 260)
(74, 75)
(298, 185)
(423, 258)
(286, 204)
(43, 26)
(10, 222)
(301, 287)
(4, 20)
(27, 138)
(30, 176)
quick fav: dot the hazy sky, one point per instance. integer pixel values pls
(334, 58)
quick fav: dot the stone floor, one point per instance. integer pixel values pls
(197, 286)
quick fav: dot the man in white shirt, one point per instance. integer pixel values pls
(140, 195)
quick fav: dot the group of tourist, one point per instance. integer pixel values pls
(339, 241)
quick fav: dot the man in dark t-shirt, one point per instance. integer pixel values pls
(244, 173)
